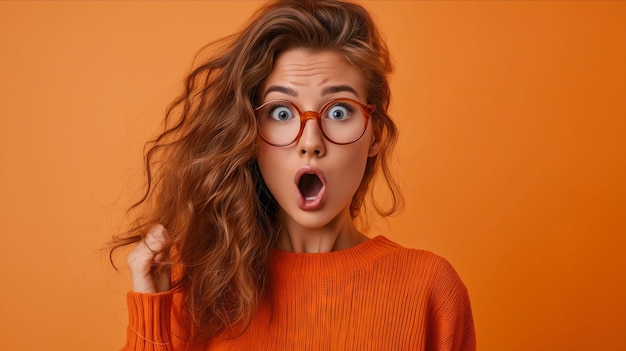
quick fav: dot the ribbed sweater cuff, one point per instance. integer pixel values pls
(149, 321)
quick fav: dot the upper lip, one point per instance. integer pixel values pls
(309, 170)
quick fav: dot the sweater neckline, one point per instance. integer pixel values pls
(284, 264)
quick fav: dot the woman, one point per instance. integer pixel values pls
(247, 237)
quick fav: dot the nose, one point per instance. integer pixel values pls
(311, 141)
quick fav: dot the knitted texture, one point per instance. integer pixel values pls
(374, 296)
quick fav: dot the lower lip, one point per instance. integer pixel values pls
(312, 204)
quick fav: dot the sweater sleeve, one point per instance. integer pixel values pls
(450, 322)
(149, 322)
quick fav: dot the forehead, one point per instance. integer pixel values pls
(310, 71)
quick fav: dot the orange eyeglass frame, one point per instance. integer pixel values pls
(306, 115)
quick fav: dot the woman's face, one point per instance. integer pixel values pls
(313, 179)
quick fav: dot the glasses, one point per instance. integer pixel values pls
(342, 121)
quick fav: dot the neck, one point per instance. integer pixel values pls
(339, 234)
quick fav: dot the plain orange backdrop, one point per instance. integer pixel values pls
(512, 157)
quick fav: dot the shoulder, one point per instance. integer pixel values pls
(414, 259)
(430, 282)
(421, 267)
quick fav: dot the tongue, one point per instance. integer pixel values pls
(310, 185)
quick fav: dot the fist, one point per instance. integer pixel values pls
(144, 262)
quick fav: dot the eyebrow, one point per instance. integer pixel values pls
(280, 89)
(339, 88)
(326, 91)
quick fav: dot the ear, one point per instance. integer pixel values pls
(374, 147)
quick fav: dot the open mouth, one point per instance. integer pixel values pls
(310, 186)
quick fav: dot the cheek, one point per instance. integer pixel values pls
(272, 163)
(351, 170)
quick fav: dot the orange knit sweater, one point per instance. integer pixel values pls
(374, 296)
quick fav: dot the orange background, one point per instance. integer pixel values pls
(512, 157)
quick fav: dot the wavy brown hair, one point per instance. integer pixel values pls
(203, 183)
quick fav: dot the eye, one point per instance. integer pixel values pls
(281, 113)
(339, 112)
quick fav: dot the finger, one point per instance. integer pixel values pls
(145, 262)
(147, 252)
(156, 239)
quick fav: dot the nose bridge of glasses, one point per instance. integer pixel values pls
(306, 115)
(315, 116)
(310, 115)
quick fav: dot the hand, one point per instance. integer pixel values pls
(145, 258)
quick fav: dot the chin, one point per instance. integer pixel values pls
(312, 220)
